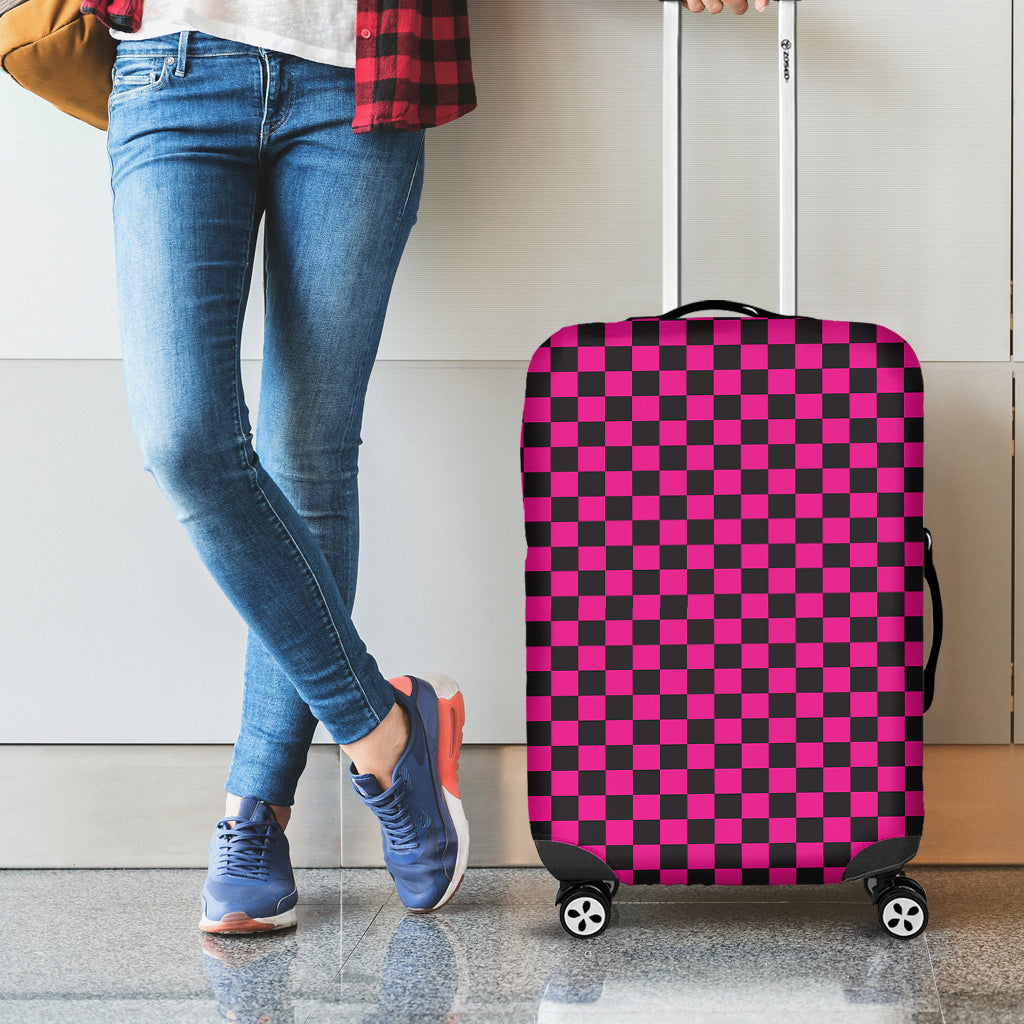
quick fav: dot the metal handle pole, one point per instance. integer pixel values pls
(671, 132)
(671, 286)
(787, 157)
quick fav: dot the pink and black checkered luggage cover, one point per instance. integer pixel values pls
(724, 590)
(724, 601)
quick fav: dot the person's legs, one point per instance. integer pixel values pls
(189, 181)
(339, 209)
(192, 146)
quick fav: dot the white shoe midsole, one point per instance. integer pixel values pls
(462, 831)
(285, 920)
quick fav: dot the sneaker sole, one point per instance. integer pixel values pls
(240, 923)
(451, 717)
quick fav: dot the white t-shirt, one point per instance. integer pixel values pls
(320, 30)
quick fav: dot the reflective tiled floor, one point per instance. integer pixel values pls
(122, 946)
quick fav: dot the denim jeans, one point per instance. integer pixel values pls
(206, 137)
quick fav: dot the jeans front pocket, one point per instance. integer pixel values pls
(135, 74)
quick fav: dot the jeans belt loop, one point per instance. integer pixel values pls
(179, 70)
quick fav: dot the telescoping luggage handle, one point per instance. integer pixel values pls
(671, 142)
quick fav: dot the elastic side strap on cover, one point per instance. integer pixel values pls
(933, 587)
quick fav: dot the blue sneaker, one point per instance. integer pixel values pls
(250, 886)
(424, 828)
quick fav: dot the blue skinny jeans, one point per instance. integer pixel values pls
(207, 137)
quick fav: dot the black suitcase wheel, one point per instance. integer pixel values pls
(911, 883)
(585, 910)
(871, 885)
(903, 911)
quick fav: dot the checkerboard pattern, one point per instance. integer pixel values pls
(724, 585)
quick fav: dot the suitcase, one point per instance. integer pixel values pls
(724, 603)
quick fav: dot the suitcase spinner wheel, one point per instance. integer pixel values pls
(585, 908)
(902, 905)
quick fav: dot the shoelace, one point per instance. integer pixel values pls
(244, 849)
(397, 821)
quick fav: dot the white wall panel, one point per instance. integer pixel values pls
(57, 263)
(111, 630)
(540, 208)
(903, 167)
(543, 206)
(57, 284)
(967, 506)
(102, 796)
(441, 584)
(1018, 227)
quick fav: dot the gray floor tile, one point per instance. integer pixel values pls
(499, 952)
(107, 1011)
(976, 939)
(112, 933)
(976, 930)
(86, 945)
(972, 1008)
(99, 946)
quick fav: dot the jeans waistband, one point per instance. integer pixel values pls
(184, 45)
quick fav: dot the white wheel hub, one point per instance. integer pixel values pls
(584, 915)
(903, 916)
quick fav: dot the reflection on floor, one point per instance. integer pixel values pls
(122, 946)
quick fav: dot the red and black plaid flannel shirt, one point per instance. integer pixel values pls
(412, 59)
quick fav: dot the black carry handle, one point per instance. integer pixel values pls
(933, 587)
(735, 307)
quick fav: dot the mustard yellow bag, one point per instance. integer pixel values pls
(50, 48)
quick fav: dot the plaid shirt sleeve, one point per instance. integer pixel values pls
(412, 59)
(413, 67)
(123, 15)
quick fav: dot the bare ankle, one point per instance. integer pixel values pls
(378, 752)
